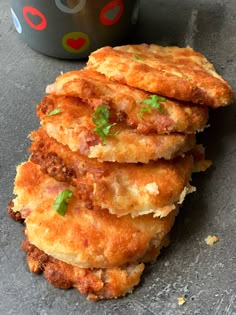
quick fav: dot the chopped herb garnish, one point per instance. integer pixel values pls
(54, 112)
(190, 79)
(61, 204)
(138, 57)
(101, 119)
(153, 101)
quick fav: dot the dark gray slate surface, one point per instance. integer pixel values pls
(205, 275)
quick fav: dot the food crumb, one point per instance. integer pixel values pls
(167, 263)
(181, 300)
(211, 239)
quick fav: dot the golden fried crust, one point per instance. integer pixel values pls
(179, 73)
(200, 163)
(16, 216)
(74, 127)
(120, 187)
(97, 284)
(126, 102)
(85, 238)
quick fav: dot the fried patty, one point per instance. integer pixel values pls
(179, 73)
(73, 126)
(120, 187)
(97, 284)
(126, 103)
(84, 238)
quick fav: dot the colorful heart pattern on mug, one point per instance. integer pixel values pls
(76, 42)
(73, 42)
(112, 12)
(34, 18)
(16, 22)
(70, 6)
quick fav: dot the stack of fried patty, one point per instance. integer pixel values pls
(112, 162)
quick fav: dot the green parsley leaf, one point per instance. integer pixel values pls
(190, 79)
(54, 112)
(154, 102)
(100, 118)
(101, 115)
(138, 57)
(61, 204)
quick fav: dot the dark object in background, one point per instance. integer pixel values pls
(71, 29)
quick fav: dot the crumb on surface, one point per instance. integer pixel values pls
(181, 300)
(167, 263)
(211, 239)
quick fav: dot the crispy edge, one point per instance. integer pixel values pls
(205, 89)
(97, 184)
(126, 103)
(125, 145)
(97, 284)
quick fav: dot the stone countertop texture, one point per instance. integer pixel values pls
(204, 275)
